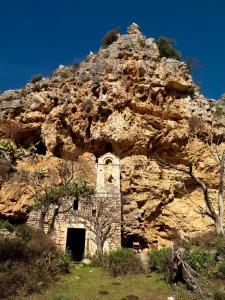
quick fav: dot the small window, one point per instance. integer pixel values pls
(75, 204)
(93, 212)
(108, 161)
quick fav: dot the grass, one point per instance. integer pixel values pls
(91, 283)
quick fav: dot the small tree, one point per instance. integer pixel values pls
(166, 48)
(51, 194)
(216, 214)
(101, 215)
(9, 155)
(110, 37)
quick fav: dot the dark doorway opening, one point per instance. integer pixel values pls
(75, 243)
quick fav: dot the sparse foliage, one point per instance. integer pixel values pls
(29, 262)
(36, 78)
(53, 193)
(65, 72)
(192, 63)
(218, 107)
(101, 216)
(11, 153)
(110, 37)
(166, 48)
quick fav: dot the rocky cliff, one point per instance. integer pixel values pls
(128, 100)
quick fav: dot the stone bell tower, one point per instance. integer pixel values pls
(108, 187)
(108, 174)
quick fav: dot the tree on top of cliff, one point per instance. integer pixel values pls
(110, 37)
(166, 48)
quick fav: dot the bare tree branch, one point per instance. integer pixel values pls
(210, 210)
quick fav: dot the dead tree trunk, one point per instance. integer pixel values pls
(53, 219)
(99, 245)
(219, 225)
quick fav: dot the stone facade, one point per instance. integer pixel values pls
(71, 215)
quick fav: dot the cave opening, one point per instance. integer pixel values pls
(31, 138)
(99, 147)
(58, 149)
(108, 148)
(41, 148)
(130, 241)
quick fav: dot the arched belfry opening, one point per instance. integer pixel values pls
(108, 174)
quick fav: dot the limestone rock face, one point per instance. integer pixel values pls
(128, 100)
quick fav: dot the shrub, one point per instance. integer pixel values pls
(7, 147)
(166, 48)
(24, 232)
(36, 78)
(123, 262)
(220, 246)
(110, 37)
(63, 261)
(221, 268)
(29, 262)
(200, 260)
(7, 225)
(20, 277)
(7, 150)
(159, 259)
(12, 249)
(39, 243)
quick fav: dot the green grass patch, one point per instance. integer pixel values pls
(93, 283)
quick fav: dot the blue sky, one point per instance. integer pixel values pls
(37, 36)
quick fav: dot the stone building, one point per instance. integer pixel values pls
(73, 231)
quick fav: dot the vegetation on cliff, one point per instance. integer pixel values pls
(167, 49)
(110, 37)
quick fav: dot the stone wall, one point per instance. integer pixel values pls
(107, 199)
